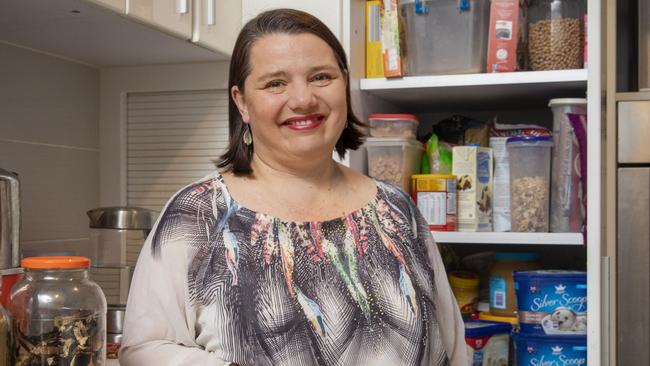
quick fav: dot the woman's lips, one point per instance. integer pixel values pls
(304, 123)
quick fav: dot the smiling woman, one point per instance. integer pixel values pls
(283, 256)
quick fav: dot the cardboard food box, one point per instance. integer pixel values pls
(472, 165)
(391, 46)
(374, 56)
(504, 36)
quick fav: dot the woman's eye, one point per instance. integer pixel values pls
(322, 79)
(274, 85)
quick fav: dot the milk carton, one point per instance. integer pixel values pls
(472, 165)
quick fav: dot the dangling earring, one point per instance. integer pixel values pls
(248, 138)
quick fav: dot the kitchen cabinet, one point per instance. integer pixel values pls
(329, 12)
(173, 16)
(216, 24)
(511, 93)
(116, 5)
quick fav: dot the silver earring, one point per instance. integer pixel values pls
(248, 138)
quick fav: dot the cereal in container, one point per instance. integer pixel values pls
(530, 171)
(556, 34)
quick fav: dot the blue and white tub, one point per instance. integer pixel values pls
(552, 302)
(541, 350)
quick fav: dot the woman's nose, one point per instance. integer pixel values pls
(301, 97)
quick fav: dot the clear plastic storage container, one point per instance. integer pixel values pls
(394, 160)
(393, 125)
(568, 168)
(556, 34)
(59, 314)
(445, 37)
(530, 170)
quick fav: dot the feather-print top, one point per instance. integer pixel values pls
(217, 282)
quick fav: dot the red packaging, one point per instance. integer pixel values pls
(503, 37)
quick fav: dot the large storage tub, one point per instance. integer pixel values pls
(536, 350)
(441, 38)
(552, 302)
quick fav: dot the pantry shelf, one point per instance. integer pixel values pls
(479, 91)
(508, 238)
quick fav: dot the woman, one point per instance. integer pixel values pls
(286, 257)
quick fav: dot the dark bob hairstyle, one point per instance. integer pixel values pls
(237, 157)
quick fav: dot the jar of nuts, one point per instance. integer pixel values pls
(556, 34)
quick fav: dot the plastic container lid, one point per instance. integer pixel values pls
(55, 262)
(433, 176)
(393, 141)
(485, 315)
(463, 279)
(481, 328)
(572, 339)
(393, 116)
(529, 139)
(552, 274)
(520, 257)
(567, 101)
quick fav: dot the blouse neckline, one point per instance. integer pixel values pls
(372, 202)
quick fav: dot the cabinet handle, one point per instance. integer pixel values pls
(209, 12)
(181, 6)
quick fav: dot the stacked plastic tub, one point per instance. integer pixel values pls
(394, 153)
(445, 37)
(552, 312)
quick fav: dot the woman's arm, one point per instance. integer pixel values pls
(449, 318)
(159, 324)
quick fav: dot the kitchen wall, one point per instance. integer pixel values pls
(49, 135)
(115, 83)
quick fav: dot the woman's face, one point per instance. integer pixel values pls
(294, 98)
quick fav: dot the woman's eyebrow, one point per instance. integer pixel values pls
(271, 75)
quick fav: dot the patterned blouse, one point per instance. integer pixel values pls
(217, 283)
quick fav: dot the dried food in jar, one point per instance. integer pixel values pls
(529, 206)
(73, 340)
(555, 44)
(5, 339)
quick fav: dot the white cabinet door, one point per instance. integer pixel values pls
(216, 24)
(115, 5)
(328, 11)
(172, 16)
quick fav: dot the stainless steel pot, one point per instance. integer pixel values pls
(9, 220)
(115, 319)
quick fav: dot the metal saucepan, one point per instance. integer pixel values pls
(115, 319)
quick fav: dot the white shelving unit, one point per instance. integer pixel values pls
(513, 92)
(450, 237)
(529, 88)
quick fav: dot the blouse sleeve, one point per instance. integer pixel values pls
(159, 324)
(450, 319)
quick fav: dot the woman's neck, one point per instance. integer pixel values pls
(315, 174)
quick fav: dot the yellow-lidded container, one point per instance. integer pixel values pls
(465, 287)
(485, 315)
(435, 196)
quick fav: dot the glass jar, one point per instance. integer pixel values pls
(6, 341)
(556, 34)
(59, 314)
(464, 285)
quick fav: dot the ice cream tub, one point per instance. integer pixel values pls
(551, 302)
(538, 350)
(488, 343)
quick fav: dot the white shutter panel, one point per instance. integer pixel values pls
(172, 140)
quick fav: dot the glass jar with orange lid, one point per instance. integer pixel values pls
(502, 287)
(59, 314)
